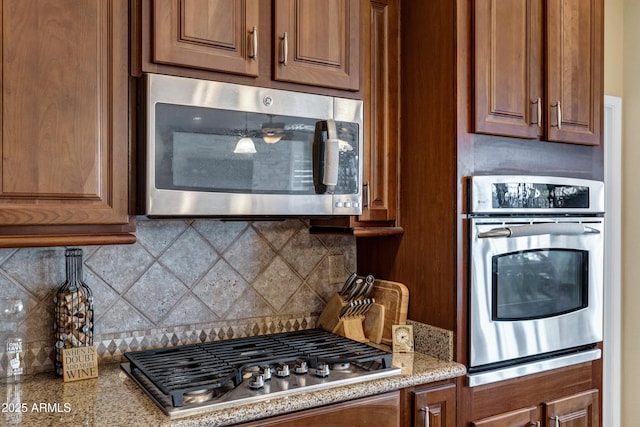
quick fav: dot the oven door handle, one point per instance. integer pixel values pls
(551, 228)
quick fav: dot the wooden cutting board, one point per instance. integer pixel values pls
(394, 296)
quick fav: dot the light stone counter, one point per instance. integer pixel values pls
(114, 400)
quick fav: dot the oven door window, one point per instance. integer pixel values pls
(228, 151)
(539, 283)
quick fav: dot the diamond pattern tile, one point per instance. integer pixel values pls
(320, 281)
(303, 252)
(121, 317)
(103, 294)
(250, 254)
(277, 283)
(220, 234)
(250, 304)
(120, 265)
(190, 309)
(154, 279)
(189, 257)
(37, 270)
(220, 288)
(183, 281)
(304, 300)
(278, 233)
(6, 253)
(157, 235)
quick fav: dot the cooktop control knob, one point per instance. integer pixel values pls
(282, 371)
(256, 382)
(266, 372)
(322, 370)
(301, 368)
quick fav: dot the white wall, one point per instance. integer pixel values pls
(630, 213)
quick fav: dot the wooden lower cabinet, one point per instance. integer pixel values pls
(577, 410)
(580, 409)
(519, 417)
(379, 410)
(435, 406)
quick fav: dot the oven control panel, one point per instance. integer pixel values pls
(512, 194)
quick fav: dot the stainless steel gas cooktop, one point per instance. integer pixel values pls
(190, 379)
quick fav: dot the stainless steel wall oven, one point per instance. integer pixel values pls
(536, 274)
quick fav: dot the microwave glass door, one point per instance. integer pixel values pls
(538, 283)
(228, 151)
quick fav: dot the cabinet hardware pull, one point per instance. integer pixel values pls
(285, 49)
(556, 421)
(254, 43)
(558, 114)
(367, 194)
(426, 416)
(538, 111)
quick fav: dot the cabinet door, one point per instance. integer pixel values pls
(217, 35)
(381, 410)
(381, 94)
(578, 410)
(526, 417)
(65, 127)
(316, 42)
(575, 71)
(508, 67)
(435, 407)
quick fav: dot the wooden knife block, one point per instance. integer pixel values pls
(348, 327)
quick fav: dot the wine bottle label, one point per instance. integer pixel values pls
(14, 346)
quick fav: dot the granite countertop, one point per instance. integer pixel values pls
(114, 399)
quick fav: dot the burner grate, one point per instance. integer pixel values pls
(176, 371)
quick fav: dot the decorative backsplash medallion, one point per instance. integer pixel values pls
(185, 281)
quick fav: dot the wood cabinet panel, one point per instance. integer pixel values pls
(508, 67)
(65, 119)
(525, 417)
(218, 35)
(381, 93)
(242, 41)
(435, 406)
(380, 410)
(513, 94)
(574, 71)
(316, 42)
(579, 410)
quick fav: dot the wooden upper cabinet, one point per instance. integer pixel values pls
(575, 91)
(528, 88)
(257, 42)
(316, 42)
(381, 145)
(508, 67)
(381, 94)
(65, 122)
(217, 35)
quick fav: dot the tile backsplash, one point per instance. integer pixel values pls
(184, 281)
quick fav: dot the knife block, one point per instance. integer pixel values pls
(349, 327)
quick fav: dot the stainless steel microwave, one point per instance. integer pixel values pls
(220, 149)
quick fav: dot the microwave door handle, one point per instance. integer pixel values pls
(553, 228)
(329, 156)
